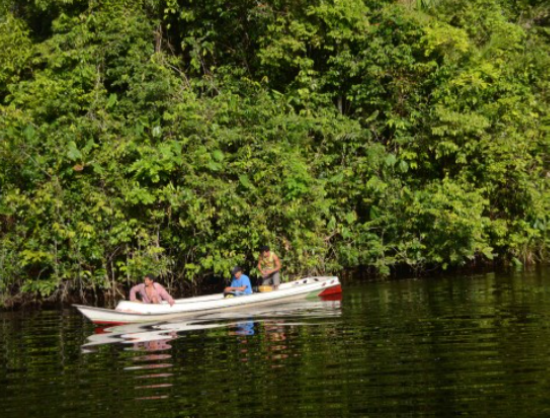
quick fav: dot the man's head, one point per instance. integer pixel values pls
(237, 272)
(148, 279)
(265, 250)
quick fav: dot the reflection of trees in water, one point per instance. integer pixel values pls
(272, 334)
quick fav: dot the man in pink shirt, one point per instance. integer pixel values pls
(150, 292)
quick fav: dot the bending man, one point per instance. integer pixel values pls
(150, 291)
(240, 285)
(269, 266)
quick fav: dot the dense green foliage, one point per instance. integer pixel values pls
(177, 136)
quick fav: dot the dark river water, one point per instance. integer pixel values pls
(460, 346)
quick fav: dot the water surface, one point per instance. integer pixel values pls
(460, 346)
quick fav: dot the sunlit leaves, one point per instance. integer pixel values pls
(177, 137)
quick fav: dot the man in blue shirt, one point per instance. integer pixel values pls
(240, 285)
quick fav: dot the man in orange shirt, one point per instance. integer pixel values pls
(269, 266)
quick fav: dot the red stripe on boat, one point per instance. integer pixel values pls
(331, 291)
(109, 323)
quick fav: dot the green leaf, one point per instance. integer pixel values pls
(73, 153)
(390, 160)
(245, 181)
(218, 155)
(113, 100)
(156, 131)
(29, 132)
(488, 253)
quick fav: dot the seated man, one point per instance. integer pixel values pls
(240, 285)
(150, 292)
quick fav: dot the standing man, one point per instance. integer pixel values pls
(150, 292)
(269, 266)
(240, 285)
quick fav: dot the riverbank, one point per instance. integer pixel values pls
(171, 138)
(108, 298)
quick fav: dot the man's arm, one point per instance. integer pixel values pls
(239, 289)
(165, 295)
(236, 288)
(133, 292)
(277, 264)
(247, 284)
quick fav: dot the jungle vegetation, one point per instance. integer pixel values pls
(178, 136)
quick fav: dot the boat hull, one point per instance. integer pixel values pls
(134, 312)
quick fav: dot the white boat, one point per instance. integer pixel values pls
(285, 314)
(132, 312)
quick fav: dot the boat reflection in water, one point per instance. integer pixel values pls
(239, 323)
(153, 343)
